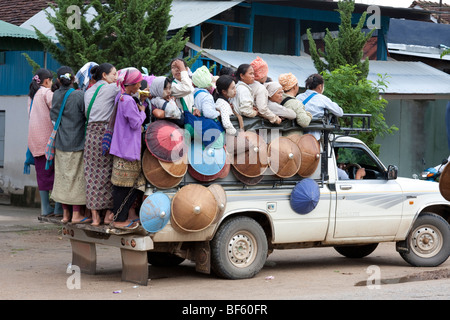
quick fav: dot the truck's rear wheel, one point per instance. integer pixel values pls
(239, 249)
(428, 242)
(356, 251)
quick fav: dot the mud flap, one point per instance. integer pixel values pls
(203, 257)
(402, 246)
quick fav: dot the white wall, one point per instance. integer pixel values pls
(12, 179)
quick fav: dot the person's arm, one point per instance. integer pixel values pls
(182, 88)
(303, 117)
(208, 107)
(361, 173)
(225, 113)
(246, 103)
(261, 98)
(332, 106)
(133, 113)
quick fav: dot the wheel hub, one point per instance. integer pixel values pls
(241, 249)
(426, 241)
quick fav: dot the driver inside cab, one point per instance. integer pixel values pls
(343, 169)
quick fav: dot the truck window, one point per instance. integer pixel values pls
(350, 159)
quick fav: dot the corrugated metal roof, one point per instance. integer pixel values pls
(183, 12)
(404, 77)
(192, 13)
(12, 31)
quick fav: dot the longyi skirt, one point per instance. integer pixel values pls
(97, 169)
(45, 178)
(70, 186)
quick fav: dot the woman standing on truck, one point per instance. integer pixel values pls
(99, 105)
(70, 186)
(127, 177)
(39, 130)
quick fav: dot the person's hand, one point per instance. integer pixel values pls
(158, 113)
(141, 107)
(278, 120)
(361, 173)
(196, 112)
(180, 65)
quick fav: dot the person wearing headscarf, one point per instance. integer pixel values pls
(84, 76)
(203, 100)
(260, 96)
(160, 90)
(290, 87)
(275, 92)
(127, 177)
(69, 187)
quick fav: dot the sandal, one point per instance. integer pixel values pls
(131, 226)
(83, 221)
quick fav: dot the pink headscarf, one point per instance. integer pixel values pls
(128, 76)
(149, 79)
(260, 68)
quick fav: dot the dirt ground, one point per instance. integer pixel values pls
(34, 259)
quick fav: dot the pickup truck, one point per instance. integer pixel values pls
(353, 216)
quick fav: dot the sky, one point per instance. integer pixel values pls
(395, 3)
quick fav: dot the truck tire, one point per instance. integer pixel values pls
(356, 251)
(428, 242)
(239, 249)
(163, 259)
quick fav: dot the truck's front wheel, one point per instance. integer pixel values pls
(239, 249)
(428, 241)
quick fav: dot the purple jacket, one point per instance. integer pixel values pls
(126, 140)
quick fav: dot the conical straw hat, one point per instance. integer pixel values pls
(194, 208)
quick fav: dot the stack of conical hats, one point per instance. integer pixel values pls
(164, 162)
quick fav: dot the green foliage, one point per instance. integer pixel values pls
(33, 64)
(445, 52)
(347, 47)
(125, 33)
(356, 94)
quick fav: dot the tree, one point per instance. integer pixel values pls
(347, 47)
(356, 94)
(125, 33)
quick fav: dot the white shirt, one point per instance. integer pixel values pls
(183, 89)
(317, 104)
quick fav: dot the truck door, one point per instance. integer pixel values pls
(370, 207)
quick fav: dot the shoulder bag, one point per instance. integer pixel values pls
(50, 147)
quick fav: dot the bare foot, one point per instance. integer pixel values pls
(96, 219)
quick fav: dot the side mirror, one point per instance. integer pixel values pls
(392, 172)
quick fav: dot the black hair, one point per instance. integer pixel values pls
(313, 81)
(97, 71)
(144, 84)
(63, 71)
(35, 84)
(167, 82)
(242, 69)
(223, 83)
(226, 71)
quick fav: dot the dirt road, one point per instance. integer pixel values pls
(34, 260)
